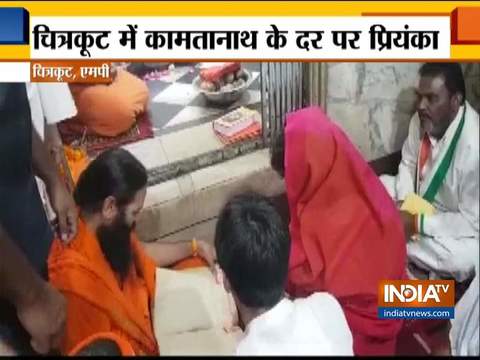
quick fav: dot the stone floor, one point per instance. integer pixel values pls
(182, 118)
(186, 206)
(175, 104)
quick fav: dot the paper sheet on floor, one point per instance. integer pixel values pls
(191, 313)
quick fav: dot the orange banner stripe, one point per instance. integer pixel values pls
(404, 14)
(465, 26)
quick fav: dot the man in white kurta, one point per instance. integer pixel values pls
(50, 103)
(445, 244)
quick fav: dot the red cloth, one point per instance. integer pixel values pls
(71, 131)
(425, 152)
(346, 232)
(216, 73)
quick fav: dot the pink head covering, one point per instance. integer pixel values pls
(347, 234)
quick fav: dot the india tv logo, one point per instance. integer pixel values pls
(416, 299)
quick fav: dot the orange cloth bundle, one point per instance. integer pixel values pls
(110, 109)
(190, 263)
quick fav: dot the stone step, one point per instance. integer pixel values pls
(174, 154)
(188, 205)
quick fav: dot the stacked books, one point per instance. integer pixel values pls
(238, 125)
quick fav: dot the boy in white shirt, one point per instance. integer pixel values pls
(253, 247)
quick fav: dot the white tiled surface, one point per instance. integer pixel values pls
(211, 200)
(177, 93)
(192, 113)
(190, 142)
(193, 198)
(150, 152)
(266, 182)
(165, 218)
(248, 98)
(230, 169)
(185, 184)
(203, 231)
(161, 193)
(176, 73)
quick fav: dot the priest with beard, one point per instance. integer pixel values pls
(105, 272)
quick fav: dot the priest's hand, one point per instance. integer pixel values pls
(65, 209)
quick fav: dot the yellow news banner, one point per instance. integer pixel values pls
(237, 8)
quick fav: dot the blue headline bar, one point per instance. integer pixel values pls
(14, 26)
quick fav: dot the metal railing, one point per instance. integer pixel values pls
(283, 90)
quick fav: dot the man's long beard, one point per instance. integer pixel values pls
(114, 241)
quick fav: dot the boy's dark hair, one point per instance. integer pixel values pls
(452, 74)
(253, 248)
(101, 347)
(114, 173)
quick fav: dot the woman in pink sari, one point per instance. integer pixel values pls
(347, 234)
